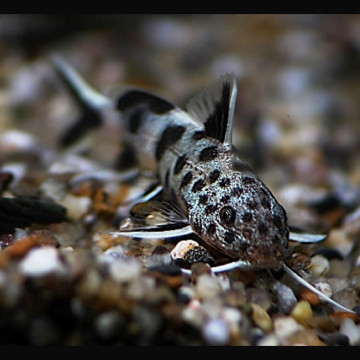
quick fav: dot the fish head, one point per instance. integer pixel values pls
(242, 219)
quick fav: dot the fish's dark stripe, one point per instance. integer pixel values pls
(126, 159)
(134, 97)
(135, 119)
(180, 163)
(208, 153)
(199, 184)
(170, 136)
(186, 179)
(199, 135)
(166, 179)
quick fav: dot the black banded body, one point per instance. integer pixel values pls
(227, 206)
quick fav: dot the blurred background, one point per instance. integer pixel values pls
(298, 107)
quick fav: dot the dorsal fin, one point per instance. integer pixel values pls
(135, 97)
(214, 107)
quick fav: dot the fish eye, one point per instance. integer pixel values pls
(227, 215)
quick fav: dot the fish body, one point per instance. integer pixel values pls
(226, 204)
(206, 189)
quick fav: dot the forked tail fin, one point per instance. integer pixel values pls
(90, 102)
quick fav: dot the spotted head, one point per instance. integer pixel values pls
(236, 213)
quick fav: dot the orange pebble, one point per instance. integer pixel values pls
(20, 247)
(309, 296)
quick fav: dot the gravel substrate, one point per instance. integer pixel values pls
(65, 281)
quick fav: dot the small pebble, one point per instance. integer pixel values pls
(319, 265)
(216, 332)
(340, 240)
(258, 296)
(326, 323)
(340, 267)
(40, 262)
(207, 287)
(199, 269)
(351, 330)
(112, 254)
(148, 320)
(347, 297)
(14, 139)
(124, 270)
(193, 313)
(77, 206)
(304, 337)
(337, 283)
(182, 247)
(335, 338)
(108, 325)
(16, 171)
(302, 313)
(286, 326)
(285, 297)
(20, 247)
(191, 252)
(53, 188)
(268, 340)
(90, 284)
(261, 317)
(140, 288)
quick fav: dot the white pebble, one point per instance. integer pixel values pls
(182, 247)
(53, 188)
(18, 170)
(285, 327)
(40, 262)
(351, 330)
(113, 254)
(319, 265)
(207, 287)
(16, 140)
(268, 340)
(77, 206)
(124, 270)
(216, 332)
